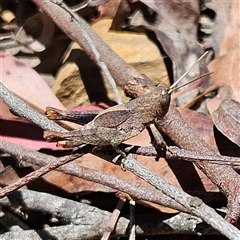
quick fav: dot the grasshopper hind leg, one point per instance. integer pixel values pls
(62, 139)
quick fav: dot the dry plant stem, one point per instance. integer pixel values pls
(132, 235)
(87, 221)
(22, 109)
(176, 153)
(136, 191)
(195, 205)
(94, 50)
(223, 176)
(113, 220)
(37, 174)
(79, 31)
(90, 220)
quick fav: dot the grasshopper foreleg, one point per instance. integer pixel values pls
(158, 139)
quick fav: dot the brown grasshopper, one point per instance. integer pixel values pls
(121, 122)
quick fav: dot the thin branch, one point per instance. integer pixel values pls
(87, 222)
(137, 191)
(37, 174)
(22, 109)
(79, 31)
(176, 153)
(93, 49)
(114, 218)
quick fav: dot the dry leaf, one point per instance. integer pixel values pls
(27, 84)
(226, 67)
(8, 176)
(227, 119)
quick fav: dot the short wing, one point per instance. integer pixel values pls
(112, 119)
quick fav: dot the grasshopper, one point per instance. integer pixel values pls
(118, 123)
(121, 122)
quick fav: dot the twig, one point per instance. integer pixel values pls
(74, 17)
(132, 224)
(113, 220)
(79, 31)
(87, 221)
(137, 191)
(193, 204)
(37, 174)
(22, 109)
(175, 153)
(178, 154)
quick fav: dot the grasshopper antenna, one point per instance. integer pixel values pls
(172, 88)
(193, 80)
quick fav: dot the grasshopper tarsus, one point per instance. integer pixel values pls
(122, 155)
(53, 113)
(52, 136)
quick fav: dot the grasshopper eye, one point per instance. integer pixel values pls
(162, 100)
(163, 92)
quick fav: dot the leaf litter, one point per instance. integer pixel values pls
(174, 27)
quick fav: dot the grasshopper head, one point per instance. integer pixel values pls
(162, 100)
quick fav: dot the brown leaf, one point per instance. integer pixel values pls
(8, 176)
(201, 123)
(225, 68)
(227, 119)
(27, 84)
(221, 15)
(109, 8)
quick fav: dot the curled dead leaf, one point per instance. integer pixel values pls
(227, 119)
